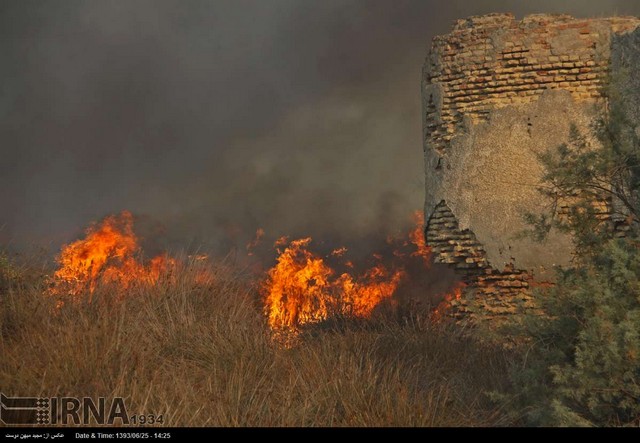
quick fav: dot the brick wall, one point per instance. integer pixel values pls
(495, 61)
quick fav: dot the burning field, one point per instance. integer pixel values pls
(192, 337)
(108, 255)
(300, 289)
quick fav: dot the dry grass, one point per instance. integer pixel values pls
(201, 355)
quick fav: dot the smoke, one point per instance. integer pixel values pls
(216, 118)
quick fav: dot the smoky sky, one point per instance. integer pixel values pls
(214, 118)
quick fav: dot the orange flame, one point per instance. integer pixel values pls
(108, 254)
(417, 238)
(448, 302)
(299, 287)
(302, 288)
(339, 252)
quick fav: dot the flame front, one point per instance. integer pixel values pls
(302, 288)
(299, 287)
(449, 301)
(108, 254)
(417, 238)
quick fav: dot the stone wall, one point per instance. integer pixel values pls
(498, 92)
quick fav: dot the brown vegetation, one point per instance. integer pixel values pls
(200, 353)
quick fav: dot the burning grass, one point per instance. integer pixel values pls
(193, 340)
(301, 288)
(304, 288)
(200, 352)
(109, 254)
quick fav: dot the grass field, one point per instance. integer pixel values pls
(199, 352)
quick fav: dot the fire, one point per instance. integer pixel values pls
(299, 287)
(339, 252)
(362, 295)
(303, 288)
(416, 237)
(109, 254)
(448, 302)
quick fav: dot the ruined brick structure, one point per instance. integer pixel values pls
(497, 92)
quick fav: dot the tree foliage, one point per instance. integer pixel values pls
(593, 174)
(581, 362)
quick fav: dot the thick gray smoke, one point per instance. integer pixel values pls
(214, 118)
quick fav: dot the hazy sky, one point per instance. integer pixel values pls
(213, 118)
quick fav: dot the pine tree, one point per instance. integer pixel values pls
(581, 363)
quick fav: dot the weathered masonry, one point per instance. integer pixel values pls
(496, 93)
